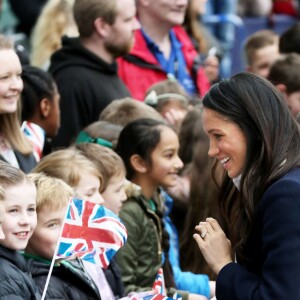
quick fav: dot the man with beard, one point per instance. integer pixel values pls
(162, 50)
(85, 69)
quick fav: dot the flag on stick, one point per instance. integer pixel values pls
(91, 232)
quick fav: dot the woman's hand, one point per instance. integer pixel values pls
(214, 245)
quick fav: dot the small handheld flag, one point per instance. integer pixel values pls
(91, 232)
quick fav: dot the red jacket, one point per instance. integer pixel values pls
(140, 69)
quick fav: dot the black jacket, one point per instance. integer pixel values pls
(68, 280)
(86, 84)
(15, 281)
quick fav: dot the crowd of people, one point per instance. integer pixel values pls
(124, 103)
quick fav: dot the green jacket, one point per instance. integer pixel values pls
(141, 256)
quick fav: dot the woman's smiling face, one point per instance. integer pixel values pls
(228, 142)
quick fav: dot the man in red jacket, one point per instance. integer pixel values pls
(162, 49)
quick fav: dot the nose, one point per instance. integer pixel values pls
(213, 149)
(24, 218)
(16, 83)
(123, 195)
(136, 24)
(2, 236)
(179, 163)
(99, 199)
(182, 2)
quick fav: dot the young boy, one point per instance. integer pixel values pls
(112, 169)
(261, 49)
(285, 75)
(18, 223)
(69, 279)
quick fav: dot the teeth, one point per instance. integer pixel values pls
(22, 233)
(224, 160)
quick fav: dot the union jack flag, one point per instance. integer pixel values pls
(159, 283)
(92, 232)
(36, 136)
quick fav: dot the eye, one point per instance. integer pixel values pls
(52, 225)
(217, 136)
(31, 209)
(89, 193)
(12, 210)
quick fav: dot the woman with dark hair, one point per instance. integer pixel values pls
(254, 136)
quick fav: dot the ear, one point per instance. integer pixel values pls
(138, 164)
(45, 107)
(101, 27)
(248, 69)
(281, 87)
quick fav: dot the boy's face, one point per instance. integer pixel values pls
(19, 219)
(114, 194)
(293, 101)
(2, 209)
(88, 188)
(263, 60)
(44, 239)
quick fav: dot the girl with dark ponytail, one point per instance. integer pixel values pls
(149, 149)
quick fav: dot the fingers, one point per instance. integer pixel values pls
(214, 224)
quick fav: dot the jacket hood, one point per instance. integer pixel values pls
(73, 53)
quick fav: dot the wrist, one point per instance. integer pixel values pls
(218, 268)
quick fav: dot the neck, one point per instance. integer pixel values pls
(96, 46)
(148, 188)
(159, 33)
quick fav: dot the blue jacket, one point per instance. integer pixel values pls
(187, 281)
(271, 269)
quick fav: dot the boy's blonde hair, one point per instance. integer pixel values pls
(257, 41)
(108, 162)
(126, 110)
(11, 176)
(52, 193)
(68, 165)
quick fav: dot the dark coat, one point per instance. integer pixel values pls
(68, 280)
(86, 83)
(271, 266)
(15, 281)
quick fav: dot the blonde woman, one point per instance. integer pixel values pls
(14, 146)
(55, 20)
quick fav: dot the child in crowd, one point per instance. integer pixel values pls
(100, 132)
(149, 149)
(112, 170)
(74, 169)
(170, 100)
(289, 40)
(285, 75)
(69, 279)
(18, 223)
(261, 50)
(126, 110)
(40, 108)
